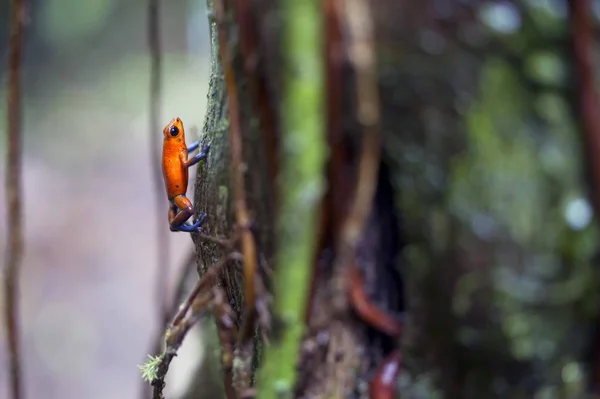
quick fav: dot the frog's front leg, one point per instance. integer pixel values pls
(180, 211)
(199, 156)
(193, 146)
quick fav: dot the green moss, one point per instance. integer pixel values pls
(149, 369)
(302, 155)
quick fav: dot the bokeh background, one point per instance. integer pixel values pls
(88, 292)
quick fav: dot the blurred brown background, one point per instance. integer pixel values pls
(88, 291)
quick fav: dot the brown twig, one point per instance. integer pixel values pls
(162, 233)
(369, 311)
(14, 197)
(237, 170)
(227, 333)
(187, 267)
(221, 241)
(362, 57)
(174, 338)
(361, 51)
(227, 244)
(208, 279)
(361, 54)
(162, 238)
(212, 273)
(195, 305)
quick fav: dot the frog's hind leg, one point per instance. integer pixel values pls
(196, 226)
(172, 212)
(181, 210)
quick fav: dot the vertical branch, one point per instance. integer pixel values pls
(359, 26)
(237, 166)
(302, 156)
(162, 237)
(14, 250)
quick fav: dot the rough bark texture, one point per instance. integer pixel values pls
(482, 164)
(212, 195)
(213, 191)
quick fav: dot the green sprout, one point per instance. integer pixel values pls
(150, 368)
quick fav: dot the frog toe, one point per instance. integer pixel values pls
(195, 226)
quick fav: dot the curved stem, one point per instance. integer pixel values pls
(14, 197)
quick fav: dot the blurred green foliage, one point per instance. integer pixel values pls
(501, 233)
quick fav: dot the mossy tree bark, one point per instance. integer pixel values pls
(482, 163)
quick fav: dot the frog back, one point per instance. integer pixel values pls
(175, 173)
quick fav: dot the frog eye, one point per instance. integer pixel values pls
(174, 130)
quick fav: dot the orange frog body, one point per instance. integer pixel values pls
(175, 164)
